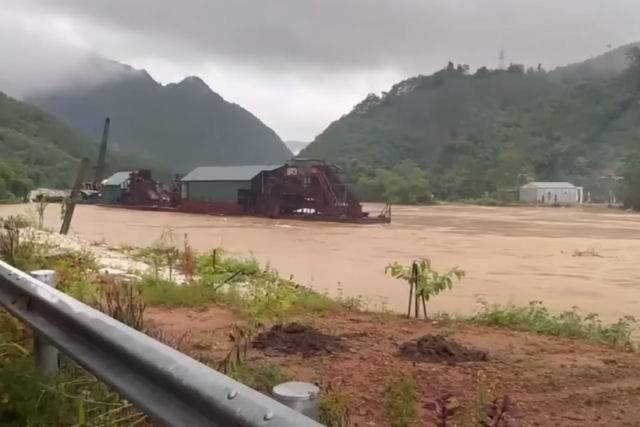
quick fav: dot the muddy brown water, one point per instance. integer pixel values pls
(510, 254)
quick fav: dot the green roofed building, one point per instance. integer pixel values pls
(220, 183)
(114, 187)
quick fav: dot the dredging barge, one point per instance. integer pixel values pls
(298, 189)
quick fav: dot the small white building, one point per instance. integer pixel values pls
(551, 193)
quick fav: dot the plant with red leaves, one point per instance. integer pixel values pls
(499, 413)
(444, 409)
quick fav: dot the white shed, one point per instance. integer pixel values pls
(551, 193)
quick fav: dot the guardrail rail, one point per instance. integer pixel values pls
(170, 387)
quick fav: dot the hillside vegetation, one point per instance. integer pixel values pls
(456, 135)
(38, 150)
(184, 124)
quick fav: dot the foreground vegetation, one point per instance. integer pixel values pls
(179, 277)
(571, 324)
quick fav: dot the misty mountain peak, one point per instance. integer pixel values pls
(194, 81)
(184, 124)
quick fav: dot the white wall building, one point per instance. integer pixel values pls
(551, 193)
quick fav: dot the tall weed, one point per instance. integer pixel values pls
(400, 402)
(536, 318)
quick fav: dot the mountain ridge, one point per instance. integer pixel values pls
(470, 136)
(39, 150)
(183, 124)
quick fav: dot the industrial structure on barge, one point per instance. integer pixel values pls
(299, 188)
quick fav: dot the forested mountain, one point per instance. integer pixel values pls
(39, 150)
(456, 135)
(607, 65)
(183, 125)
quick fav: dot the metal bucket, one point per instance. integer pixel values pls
(299, 396)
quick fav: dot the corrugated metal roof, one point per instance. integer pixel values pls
(549, 185)
(227, 173)
(117, 178)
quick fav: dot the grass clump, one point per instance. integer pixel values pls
(536, 318)
(241, 284)
(220, 266)
(400, 402)
(261, 376)
(72, 398)
(335, 408)
(18, 245)
(159, 291)
(122, 301)
(76, 275)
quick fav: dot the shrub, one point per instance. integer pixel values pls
(158, 291)
(424, 282)
(334, 408)
(259, 376)
(18, 246)
(121, 300)
(400, 402)
(535, 317)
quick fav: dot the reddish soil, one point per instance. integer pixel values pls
(553, 381)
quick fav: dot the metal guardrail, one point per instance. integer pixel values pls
(170, 387)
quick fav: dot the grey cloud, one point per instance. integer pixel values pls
(298, 63)
(328, 34)
(33, 61)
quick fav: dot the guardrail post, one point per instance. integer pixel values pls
(299, 396)
(44, 354)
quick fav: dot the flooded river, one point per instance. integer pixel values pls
(510, 254)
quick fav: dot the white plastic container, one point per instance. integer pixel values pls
(299, 396)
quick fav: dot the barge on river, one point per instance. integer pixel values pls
(298, 189)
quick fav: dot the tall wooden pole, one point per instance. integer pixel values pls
(75, 191)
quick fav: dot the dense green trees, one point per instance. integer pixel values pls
(13, 185)
(473, 136)
(37, 150)
(405, 182)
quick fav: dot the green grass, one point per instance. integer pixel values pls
(400, 402)
(68, 399)
(335, 408)
(158, 291)
(262, 376)
(536, 318)
(260, 296)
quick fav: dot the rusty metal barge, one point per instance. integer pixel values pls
(298, 189)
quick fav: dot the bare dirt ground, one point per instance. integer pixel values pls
(553, 381)
(510, 254)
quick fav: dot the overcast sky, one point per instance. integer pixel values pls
(299, 64)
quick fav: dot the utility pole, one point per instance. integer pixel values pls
(102, 154)
(73, 198)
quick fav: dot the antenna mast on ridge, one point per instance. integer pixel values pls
(502, 58)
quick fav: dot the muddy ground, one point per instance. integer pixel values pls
(553, 381)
